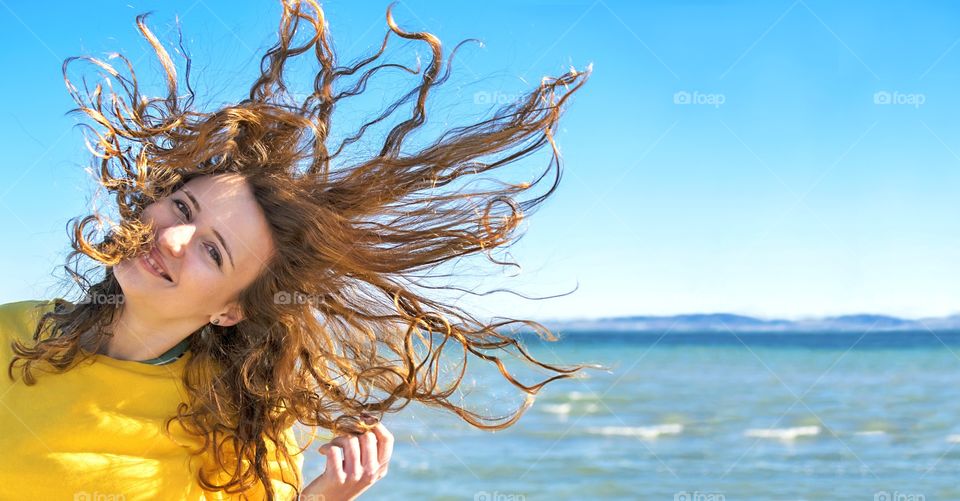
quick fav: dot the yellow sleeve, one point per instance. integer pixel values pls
(281, 473)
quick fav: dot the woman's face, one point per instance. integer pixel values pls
(212, 241)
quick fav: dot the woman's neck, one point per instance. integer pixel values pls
(138, 338)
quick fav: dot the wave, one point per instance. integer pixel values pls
(562, 409)
(783, 433)
(638, 431)
(576, 395)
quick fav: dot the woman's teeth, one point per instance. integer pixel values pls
(156, 267)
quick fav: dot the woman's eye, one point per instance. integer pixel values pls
(183, 208)
(215, 254)
(211, 251)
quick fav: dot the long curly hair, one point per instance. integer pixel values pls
(340, 323)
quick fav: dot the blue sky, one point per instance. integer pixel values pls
(781, 158)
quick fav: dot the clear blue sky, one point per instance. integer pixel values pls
(786, 187)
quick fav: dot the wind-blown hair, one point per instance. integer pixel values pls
(337, 324)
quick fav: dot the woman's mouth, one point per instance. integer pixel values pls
(153, 263)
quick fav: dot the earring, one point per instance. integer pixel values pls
(215, 321)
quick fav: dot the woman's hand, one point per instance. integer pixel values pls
(365, 461)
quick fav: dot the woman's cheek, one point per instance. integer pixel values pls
(199, 275)
(150, 215)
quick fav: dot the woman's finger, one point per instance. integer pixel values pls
(370, 460)
(351, 456)
(384, 443)
(334, 455)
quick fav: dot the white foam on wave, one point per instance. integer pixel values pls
(638, 431)
(783, 433)
(562, 409)
(953, 439)
(871, 433)
(565, 408)
(576, 395)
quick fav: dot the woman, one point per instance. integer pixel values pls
(248, 286)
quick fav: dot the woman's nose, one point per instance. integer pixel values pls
(174, 239)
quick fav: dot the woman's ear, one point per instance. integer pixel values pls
(231, 315)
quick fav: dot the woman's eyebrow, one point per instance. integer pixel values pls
(223, 242)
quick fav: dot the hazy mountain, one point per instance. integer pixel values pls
(720, 322)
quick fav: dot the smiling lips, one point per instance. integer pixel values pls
(154, 261)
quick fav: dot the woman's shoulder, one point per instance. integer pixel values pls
(27, 303)
(27, 308)
(20, 318)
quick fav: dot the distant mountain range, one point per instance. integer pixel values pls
(720, 322)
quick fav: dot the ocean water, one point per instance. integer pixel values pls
(698, 417)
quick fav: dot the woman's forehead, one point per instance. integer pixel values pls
(218, 185)
(228, 204)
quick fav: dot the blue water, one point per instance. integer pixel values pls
(702, 417)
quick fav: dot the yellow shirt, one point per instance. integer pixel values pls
(96, 432)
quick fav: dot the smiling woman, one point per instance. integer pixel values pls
(192, 269)
(249, 287)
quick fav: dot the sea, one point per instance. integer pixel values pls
(712, 416)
